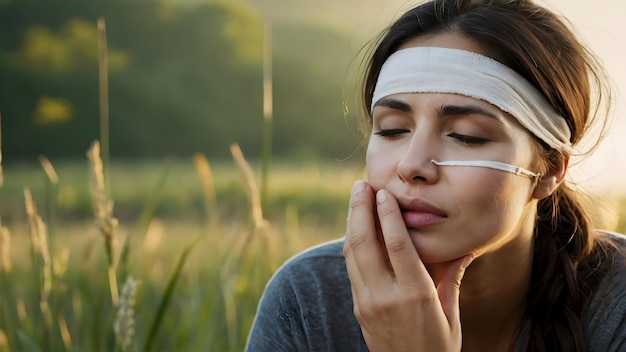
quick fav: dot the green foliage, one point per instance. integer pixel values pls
(182, 78)
(168, 189)
(72, 49)
(167, 296)
(193, 300)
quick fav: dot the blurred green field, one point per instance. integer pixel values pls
(162, 212)
(318, 190)
(202, 302)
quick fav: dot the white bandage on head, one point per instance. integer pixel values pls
(444, 70)
(496, 165)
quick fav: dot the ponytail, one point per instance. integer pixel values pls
(564, 274)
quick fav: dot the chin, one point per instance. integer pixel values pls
(432, 251)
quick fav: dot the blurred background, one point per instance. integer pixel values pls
(184, 77)
(200, 226)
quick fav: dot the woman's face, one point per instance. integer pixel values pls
(451, 211)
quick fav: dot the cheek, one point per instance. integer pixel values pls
(381, 168)
(496, 197)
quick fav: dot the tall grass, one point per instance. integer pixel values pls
(1, 177)
(193, 288)
(66, 297)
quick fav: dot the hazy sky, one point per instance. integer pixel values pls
(600, 24)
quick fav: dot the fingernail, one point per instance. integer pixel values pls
(381, 196)
(358, 187)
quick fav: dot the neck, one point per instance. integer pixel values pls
(493, 300)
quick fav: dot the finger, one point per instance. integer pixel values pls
(405, 261)
(355, 303)
(362, 249)
(449, 287)
(353, 271)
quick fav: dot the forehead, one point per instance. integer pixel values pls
(445, 40)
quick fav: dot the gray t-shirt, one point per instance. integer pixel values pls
(307, 306)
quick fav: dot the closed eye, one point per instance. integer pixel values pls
(390, 133)
(470, 140)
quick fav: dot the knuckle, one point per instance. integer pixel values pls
(374, 309)
(383, 307)
(397, 245)
(354, 242)
(356, 311)
(358, 201)
(420, 297)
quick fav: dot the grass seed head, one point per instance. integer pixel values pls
(206, 179)
(4, 342)
(5, 249)
(39, 237)
(102, 206)
(1, 177)
(124, 325)
(49, 169)
(250, 187)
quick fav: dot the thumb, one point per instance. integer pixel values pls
(449, 287)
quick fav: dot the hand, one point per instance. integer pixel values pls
(396, 302)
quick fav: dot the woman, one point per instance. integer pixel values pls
(466, 236)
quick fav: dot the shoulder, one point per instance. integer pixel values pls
(317, 274)
(301, 276)
(618, 239)
(307, 305)
(613, 263)
(331, 250)
(604, 316)
(322, 262)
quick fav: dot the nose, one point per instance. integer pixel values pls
(415, 165)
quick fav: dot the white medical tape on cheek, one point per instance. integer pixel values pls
(517, 170)
(445, 70)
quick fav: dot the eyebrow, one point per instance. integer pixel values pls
(394, 104)
(447, 110)
(444, 110)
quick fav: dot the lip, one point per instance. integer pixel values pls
(417, 213)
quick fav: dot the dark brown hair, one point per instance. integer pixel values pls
(541, 47)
